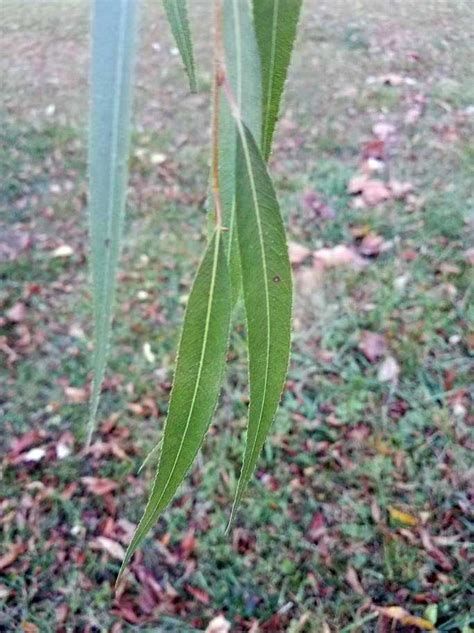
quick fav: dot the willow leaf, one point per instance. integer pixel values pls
(177, 13)
(267, 289)
(276, 22)
(196, 385)
(114, 29)
(243, 72)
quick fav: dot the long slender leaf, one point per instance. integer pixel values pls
(243, 71)
(113, 45)
(267, 286)
(275, 25)
(196, 385)
(177, 13)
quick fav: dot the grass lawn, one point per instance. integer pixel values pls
(361, 498)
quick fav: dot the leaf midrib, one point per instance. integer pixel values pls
(102, 313)
(266, 142)
(267, 301)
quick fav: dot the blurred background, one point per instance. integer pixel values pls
(360, 505)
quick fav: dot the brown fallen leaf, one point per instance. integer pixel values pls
(188, 543)
(298, 253)
(29, 627)
(402, 517)
(63, 251)
(372, 165)
(435, 553)
(64, 445)
(16, 549)
(448, 268)
(404, 617)
(371, 190)
(372, 345)
(33, 455)
(372, 245)
(76, 395)
(99, 485)
(356, 184)
(383, 130)
(199, 594)
(391, 79)
(108, 545)
(20, 444)
(125, 609)
(389, 370)
(374, 148)
(339, 255)
(359, 433)
(317, 528)
(218, 625)
(353, 581)
(375, 511)
(374, 192)
(99, 449)
(17, 313)
(62, 612)
(146, 408)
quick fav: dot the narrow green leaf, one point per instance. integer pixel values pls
(243, 72)
(114, 29)
(267, 289)
(275, 25)
(177, 13)
(196, 385)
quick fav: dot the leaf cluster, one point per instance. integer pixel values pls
(246, 255)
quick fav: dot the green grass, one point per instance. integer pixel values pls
(343, 442)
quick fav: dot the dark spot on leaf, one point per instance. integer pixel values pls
(107, 242)
(277, 278)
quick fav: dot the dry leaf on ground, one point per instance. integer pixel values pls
(108, 545)
(99, 485)
(16, 549)
(218, 625)
(16, 313)
(402, 517)
(389, 370)
(354, 582)
(372, 345)
(63, 251)
(372, 245)
(340, 255)
(298, 253)
(404, 617)
(373, 191)
(76, 395)
(383, 131)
